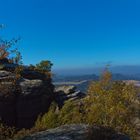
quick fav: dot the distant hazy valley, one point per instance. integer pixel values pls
(82, 81)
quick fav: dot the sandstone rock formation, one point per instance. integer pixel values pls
(21, 104)
(67, 92)
(77, 132)
(66, 89)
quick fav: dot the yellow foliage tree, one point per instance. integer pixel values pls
(111, 103)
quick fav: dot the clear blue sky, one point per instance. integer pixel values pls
(74, 33)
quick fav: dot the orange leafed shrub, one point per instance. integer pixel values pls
(3, 51)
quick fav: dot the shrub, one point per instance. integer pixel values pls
(70, 113)
(8, 50)
(6, 132)
(44, 65)
(48, 120)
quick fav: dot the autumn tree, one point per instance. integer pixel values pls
(9, 50)
(6, 133)
(110, 103)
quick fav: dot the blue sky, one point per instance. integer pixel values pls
(74, 33)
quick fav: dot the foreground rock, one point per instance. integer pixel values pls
(23, 101)
(77, 132)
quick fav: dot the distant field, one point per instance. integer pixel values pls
(70, 83)
(135, 82)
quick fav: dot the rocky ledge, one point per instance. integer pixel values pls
(77, 132)
(67, 92)
(21, 103)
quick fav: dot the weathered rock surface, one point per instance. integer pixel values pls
(21, 103)
(77, 132)
(67, 92)
(66, 89)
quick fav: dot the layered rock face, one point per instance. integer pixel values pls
(67, 92)
(21, 104)
(77, 132)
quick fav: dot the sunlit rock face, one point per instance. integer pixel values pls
(67, 92)
(77, 132)
(21, 103)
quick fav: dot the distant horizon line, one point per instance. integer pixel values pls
(121, 69)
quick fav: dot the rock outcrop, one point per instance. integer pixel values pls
(67, 92)
(77, 132)
(21, 103)
(66, 89)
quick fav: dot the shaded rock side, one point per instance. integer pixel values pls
(35, 98)
(21, 104)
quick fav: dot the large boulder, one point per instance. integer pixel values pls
(77, 132)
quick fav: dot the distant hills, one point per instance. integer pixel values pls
(89, 77)
(74, 78)
(131, 71)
